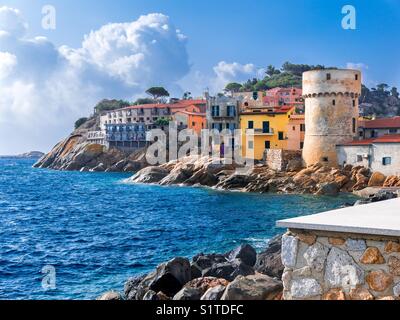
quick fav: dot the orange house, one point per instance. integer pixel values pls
(191, 119)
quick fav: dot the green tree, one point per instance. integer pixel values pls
(157, 92)
(271, 70)
(80, 122)
(394, 92)
(144, 101)
(233, 87)
(108, 105)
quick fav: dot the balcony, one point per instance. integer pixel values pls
(260, 132)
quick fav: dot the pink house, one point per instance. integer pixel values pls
(278, 97)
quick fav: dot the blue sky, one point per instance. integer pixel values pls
(259, 31)
(48, 83)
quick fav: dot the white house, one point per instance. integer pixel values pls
(381, 154)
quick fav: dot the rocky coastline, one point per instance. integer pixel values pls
(240, 274)
(317, 179)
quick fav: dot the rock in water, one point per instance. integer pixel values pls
(149, 175)
(269, 261)
(254, 287)
(112, 295)
(328, 188)
(245, 253)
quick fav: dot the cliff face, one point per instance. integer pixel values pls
(76, 153)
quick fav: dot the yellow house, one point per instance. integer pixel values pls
(269, 128)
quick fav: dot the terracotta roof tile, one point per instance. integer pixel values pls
(381, 123)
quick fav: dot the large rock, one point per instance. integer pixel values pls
(269, 261)
(246, 253)
(132, 287)
(214, 294)
(109, 296)
(206, 283)
(379, 280)
(228, 270)
(254, 287)
(342, 271)
(377, 180)
(328, 188)
(372, 256)
(188, 294)
(149, 175)
(168, 278)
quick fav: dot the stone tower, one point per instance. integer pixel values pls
(331, 112)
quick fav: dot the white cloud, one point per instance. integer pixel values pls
(44, 89)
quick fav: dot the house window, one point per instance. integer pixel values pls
(251, 144)
(302, 127)
(250, 125)
(301, 145)
(294, 128)
(356, 77)
(267, 144)
(193, 123)
(392, 130)
(354, 103)
(280, 135)
(386, 161)
(354, 125)
(359, 158)
(328, 76)
(334, 102)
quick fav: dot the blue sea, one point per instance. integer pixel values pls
(96, 231)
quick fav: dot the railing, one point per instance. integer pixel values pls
(260, 131)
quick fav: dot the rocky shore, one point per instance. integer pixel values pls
(76, 153)
(317, 179)
(240, 274)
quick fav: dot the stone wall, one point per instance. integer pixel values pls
(278, 159)
(338, 266)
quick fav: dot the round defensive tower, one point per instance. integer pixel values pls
(331, 112)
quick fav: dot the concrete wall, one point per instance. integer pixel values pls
(340, 266)
(330, 107)
(348, 155)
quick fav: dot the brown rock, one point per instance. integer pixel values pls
(391, 181)
(394, 266)
(377, 180)
(334, 294)
(379, 280)
(372, 256)
(360, 294)
(307, 238)
(336, 241)
(387, 298)
(392, 246)
(162, 296)
(206, 283)
(110, 296)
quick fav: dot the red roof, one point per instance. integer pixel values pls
(381, 123)
(389, 138)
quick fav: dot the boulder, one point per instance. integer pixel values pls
(112, 295)
(246, 253)
(328, 188)
(188, 294)
(228, 270)
(269, 261)
(294, 165)
(206, 283)
(150, 296)
(253, 287)
(377, 180)
(149, 175)
(168, 277)
(306, 288)
(214, 293)
(131, 287)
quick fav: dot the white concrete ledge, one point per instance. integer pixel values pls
(379, 218)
